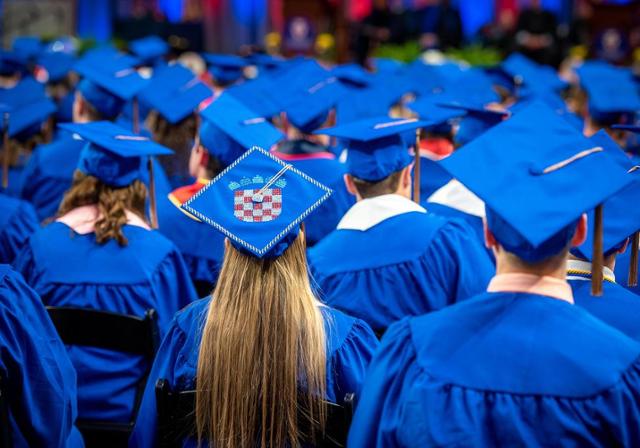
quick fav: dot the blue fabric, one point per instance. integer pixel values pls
(622, 271)
(17, 222)
(40, 380)
(201, 248)
(15, 182)
(68, 269)
(617, 306)
(105, 102)
(407, 265)
(49, 173)
(432, 177)
(501, 369)
(350, 346)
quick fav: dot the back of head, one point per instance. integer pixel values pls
(179, 137)
(261, 370)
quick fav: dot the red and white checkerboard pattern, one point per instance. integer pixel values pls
(245, 209)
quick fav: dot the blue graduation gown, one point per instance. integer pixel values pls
(350, 346)
(501, 369)
(323, 166)
(432, 177)
(69, 269)
(622, 271)
(15, 182)
(40, 381)
(49, 173)
(617, 306)
(201, 246)
(407, 265)
(17, 222)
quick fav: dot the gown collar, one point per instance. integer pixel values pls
(532, 284)
(457, 196)
(368, 213)
(581, 270)
(83, 219)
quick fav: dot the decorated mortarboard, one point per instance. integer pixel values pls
(377, 147)
(258, 202)
(225, 68)
(476, 121)
(175, 92)
(53, 67)
(149, 48)
(228, 119)
(530, 171)
(27, 46)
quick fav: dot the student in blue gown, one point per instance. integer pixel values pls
(262, 305)
(99, 96)
(309, 107)
(389, 258)
(37, 376)
(100, 253)
(519, 365)
(225, 70)
(18, 221)
(227, 129)
(173, 95)
(27, 110)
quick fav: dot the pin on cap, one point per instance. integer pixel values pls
(526, 170)
(115, 156)
(258, 202)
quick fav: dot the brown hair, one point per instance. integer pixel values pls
(387, 185)
(112, 204)
(179, 137)
(261, 369)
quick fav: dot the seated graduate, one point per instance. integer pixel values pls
(27, 110)
(520, 364)
(389, 258)
(173, 95)
(53, 68)
(617, 307)
(263, 305)
(308, 107)
(38, 380)
(101, 254)
(227, 130)
(18, 221)
(100, 95)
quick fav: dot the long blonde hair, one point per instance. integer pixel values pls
(262, 364)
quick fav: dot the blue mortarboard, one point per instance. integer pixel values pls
(149, 48)
(11, 63)
(257, 93)
(308, 107)
(377, 147)
(265, 61)
(27, 46)
(258, 202)
(113, 154)
(352, 75)
(175, 92)
(236, 122)
(52, 67)
(28, 107)
(530, 172)
(471, 85)
(225, 68)
(621, 216)
(534, 76)
(476, 121)
(429, 109)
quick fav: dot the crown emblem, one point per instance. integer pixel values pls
(257, 181)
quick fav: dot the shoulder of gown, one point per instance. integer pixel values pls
(18, 221)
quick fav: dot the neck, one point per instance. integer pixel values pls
(507, 263)
(609, 262)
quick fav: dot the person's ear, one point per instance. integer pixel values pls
(406, 177)
(580, 236)
(351, 186)
(490, 240)
(203, 156)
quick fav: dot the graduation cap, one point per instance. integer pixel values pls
(534, 76)
(266, 62)
(175, 92)
(621, 220)
(429, 108)
(230, 128)
(475, 122)
(378, 147)
(225, 68)
(528, 170)
(352, 75)
(115, 156)
(11, 63)
(53, 67)
(149, 48)
(27, 46)
(258, 202)
(257, 93)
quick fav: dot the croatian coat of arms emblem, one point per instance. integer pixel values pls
(257, 199)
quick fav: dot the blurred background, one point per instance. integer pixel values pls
(480, 32)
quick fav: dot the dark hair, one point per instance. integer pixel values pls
(387, 185)
(112, 204)
(179, 137)
(93, 114)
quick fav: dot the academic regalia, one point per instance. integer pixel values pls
(17, 222)
(258, 203)
(519, 364)
(432, 176)
(350, 346)
(38, 378)
(388, 257)
(66, 266)
(321, 164)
